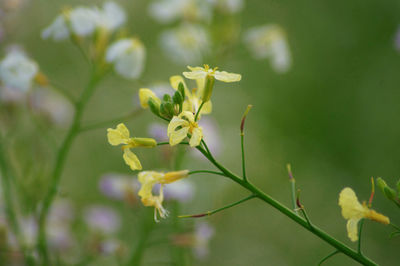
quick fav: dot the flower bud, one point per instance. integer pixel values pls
(41, 79)
(208, 87)
(177, 98)
(154, 106)
(386, 190)
(145, 95)
(145, 142)
(181, 89)
(174, 176)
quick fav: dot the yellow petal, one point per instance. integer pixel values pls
(197, 135)
(188, 116)
(351, 207)
(171, 177)
(195, 73)
(352, 229)
(175, 80)
(145, 95)
(132, 160)
(177, 136)
(227, 77)
(117, 136)
(175, 123)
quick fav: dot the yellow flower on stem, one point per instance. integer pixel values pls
(180, 126)
(194, 97)
(120, 135)
(208, 76)
(353, 211)
(150, 178)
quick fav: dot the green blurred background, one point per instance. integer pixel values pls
(333, 116)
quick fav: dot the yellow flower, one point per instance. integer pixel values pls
(194, 100)
(182, 125)
(150, 178)
(354, 211)
(207, 76)
(121, 135)
(203, 72)
(145, 95)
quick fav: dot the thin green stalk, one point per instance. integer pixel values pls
(289, 213)
(146, 229)
(209, 213)
(293, 190)
(167, 143)
(243, 159)
(359, 236)
(206, 171)
(328, 257)
(198, 111)
(303, 211)
(9, 203)
(60, 162)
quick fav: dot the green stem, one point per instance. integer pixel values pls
(289, 213)
(359, 236)
(206, 171)
(243, 159)
(146, 228)
(293, 189)
(328, 257)
(209, 213)
(303, 211)
(9, 204)
(60, 162)
(198, 111)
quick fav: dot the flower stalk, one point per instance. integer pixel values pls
(60, 162)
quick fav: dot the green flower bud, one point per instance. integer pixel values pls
(181, 89)
(154, 106)
(208, 88)
(167, 98)
(177, 98)
(386, 190)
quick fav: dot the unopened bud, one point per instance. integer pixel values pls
(387, 191)
(145, 95)
(177, 98)
(181, 89)
(208, 88)
(145, 142)
(244, 117)
(174, 176)
(154, 107)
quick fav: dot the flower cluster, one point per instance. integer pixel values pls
(182, 110)
(126, 54)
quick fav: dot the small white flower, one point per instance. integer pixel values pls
(269, 41)
(165, 11)
(229, 6)
(111, 17)
(186, 44)
(128, 57)
(58, 30)
(83, 20)
(52, 105)
(17, 70)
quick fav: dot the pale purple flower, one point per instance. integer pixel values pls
(52, 105)
(182, 190)
(202, 234)
(211, 136)
(102, 219)
(158, 131)
(118, 186)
